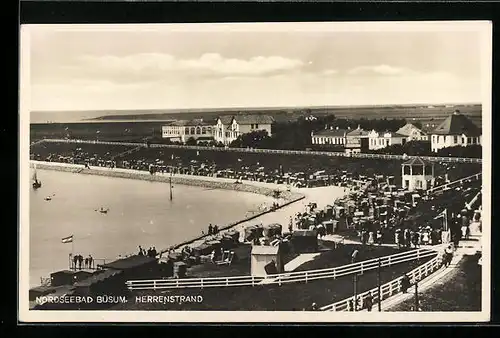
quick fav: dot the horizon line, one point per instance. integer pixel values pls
(258, 107)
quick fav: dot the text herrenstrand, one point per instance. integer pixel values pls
(169, 299)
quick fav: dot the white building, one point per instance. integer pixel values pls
(331, 137)
(456, 130)
(183, 130)
(413, 133)
(356, 141)
(228, 128)
(225, 129)
(417, 174)
(379, 140)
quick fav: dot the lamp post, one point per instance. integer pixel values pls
(354, 257)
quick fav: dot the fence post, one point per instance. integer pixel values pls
(177, 283)
(253, 280)
(279, 280)
(227, 281)
(416, 296)
(306, 277)
(154, 284)
(379, 293)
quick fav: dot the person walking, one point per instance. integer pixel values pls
(405, 283)
(448, 255)
(369, 302)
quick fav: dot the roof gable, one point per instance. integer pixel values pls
(457, 124)
(246, 119)
(409, 129)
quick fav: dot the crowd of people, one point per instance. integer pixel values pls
(80, 263)
(151, 252)
(297, 170)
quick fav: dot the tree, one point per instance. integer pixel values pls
(471, 151)
(191, 141)
(254, 139)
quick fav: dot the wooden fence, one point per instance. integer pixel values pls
(454, 183)
(283, 278)
(279, 151)
(387, 290)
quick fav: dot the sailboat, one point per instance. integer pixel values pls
(36, 183)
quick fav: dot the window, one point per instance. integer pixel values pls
(256, 126)
(463, 139)
(455, 139)
(251, 126)
(203, 130)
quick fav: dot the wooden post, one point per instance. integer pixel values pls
(379, 293)
(355, 302)
(416, 296)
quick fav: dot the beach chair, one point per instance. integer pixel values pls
(227, 258)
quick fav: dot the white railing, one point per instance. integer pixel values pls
(283, 278)
(387, 290)
(280, 151)
(471, 203)
(128, 152)
(454, 183)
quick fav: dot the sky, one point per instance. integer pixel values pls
(250, 65)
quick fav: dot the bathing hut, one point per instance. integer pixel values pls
(305, 241)
(329, 227)
(103, 282)
(271, 230)
(135, 266)
(252, 232)
(68, 277)
(266, 257)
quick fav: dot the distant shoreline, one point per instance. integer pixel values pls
(162, 115)
(260, 188)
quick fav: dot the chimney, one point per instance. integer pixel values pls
(337, 128)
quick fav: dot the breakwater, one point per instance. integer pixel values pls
(286, 197)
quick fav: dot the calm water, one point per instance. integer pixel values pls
(140, 214)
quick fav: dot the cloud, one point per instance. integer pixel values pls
(209, 64)
(329, 72)
(383, 70)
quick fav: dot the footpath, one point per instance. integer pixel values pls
(466, 247)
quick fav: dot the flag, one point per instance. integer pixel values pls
(68, 239)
